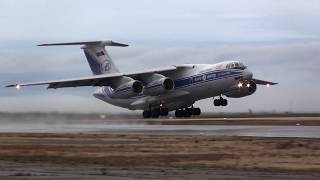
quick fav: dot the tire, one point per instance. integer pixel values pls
(224, 102)
(178, 113)
(146, 114)
(155, 113)
(187, 112)
(217, 102)
(164, 112)
(196, 111)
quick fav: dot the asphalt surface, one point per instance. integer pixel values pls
(180, 127)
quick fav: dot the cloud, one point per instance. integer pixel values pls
(243, 20)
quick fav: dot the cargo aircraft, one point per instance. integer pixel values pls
(158, 91)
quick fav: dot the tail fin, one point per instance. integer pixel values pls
(96, 54)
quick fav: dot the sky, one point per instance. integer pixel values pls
(278, 40)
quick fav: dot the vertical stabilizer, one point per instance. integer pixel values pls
(96, 54)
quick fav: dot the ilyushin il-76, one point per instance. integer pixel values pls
(158, 91)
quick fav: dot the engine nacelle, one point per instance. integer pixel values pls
(160, 86)
(243, 88)
(127, 90)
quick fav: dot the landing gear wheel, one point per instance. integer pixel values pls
(187, 112)
(179, 113)
(164, 112)
(146, 114)
(196, 111)
(155, 113)
(224, 102)
(216, 102)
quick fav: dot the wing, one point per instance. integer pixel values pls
(98, 80)
(262, 82)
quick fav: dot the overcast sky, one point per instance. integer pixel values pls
(278, 40)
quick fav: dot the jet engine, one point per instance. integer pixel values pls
(243, 88)
(127, 90)
(159, 86)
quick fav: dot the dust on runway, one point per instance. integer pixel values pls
(308, 127)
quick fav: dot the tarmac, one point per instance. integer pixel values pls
(308, 127)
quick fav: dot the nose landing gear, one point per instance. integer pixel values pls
(220, 102)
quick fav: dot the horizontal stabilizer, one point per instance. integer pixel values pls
(89, 43)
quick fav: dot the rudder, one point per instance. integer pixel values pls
(96, 54)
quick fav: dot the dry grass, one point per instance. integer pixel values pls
(164, 150)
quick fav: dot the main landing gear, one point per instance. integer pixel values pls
(155, 113)
(220, 102)
(187, 112)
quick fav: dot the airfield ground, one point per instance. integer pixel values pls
(176, 154)
(158, 156)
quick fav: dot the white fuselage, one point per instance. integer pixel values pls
(195, 82)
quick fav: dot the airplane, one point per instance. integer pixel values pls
(158, 91)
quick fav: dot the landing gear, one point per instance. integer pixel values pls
(187, 112)
(164, 111)
(220, 102)
(196, 111)
(182, 113)
(146, 114)
(155, 113)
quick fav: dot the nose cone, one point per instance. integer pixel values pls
(247, 74)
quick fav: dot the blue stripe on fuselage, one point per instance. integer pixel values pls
(195, 79)
(208, 76)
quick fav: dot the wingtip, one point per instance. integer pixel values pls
(118, 44)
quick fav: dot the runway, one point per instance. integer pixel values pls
(307, 127)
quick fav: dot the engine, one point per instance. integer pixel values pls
(126, 90)
(243, 88)
(160, 86)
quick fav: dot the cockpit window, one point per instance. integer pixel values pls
(235, 65)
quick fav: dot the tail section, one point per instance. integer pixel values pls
(99, 60)
(96, 54)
